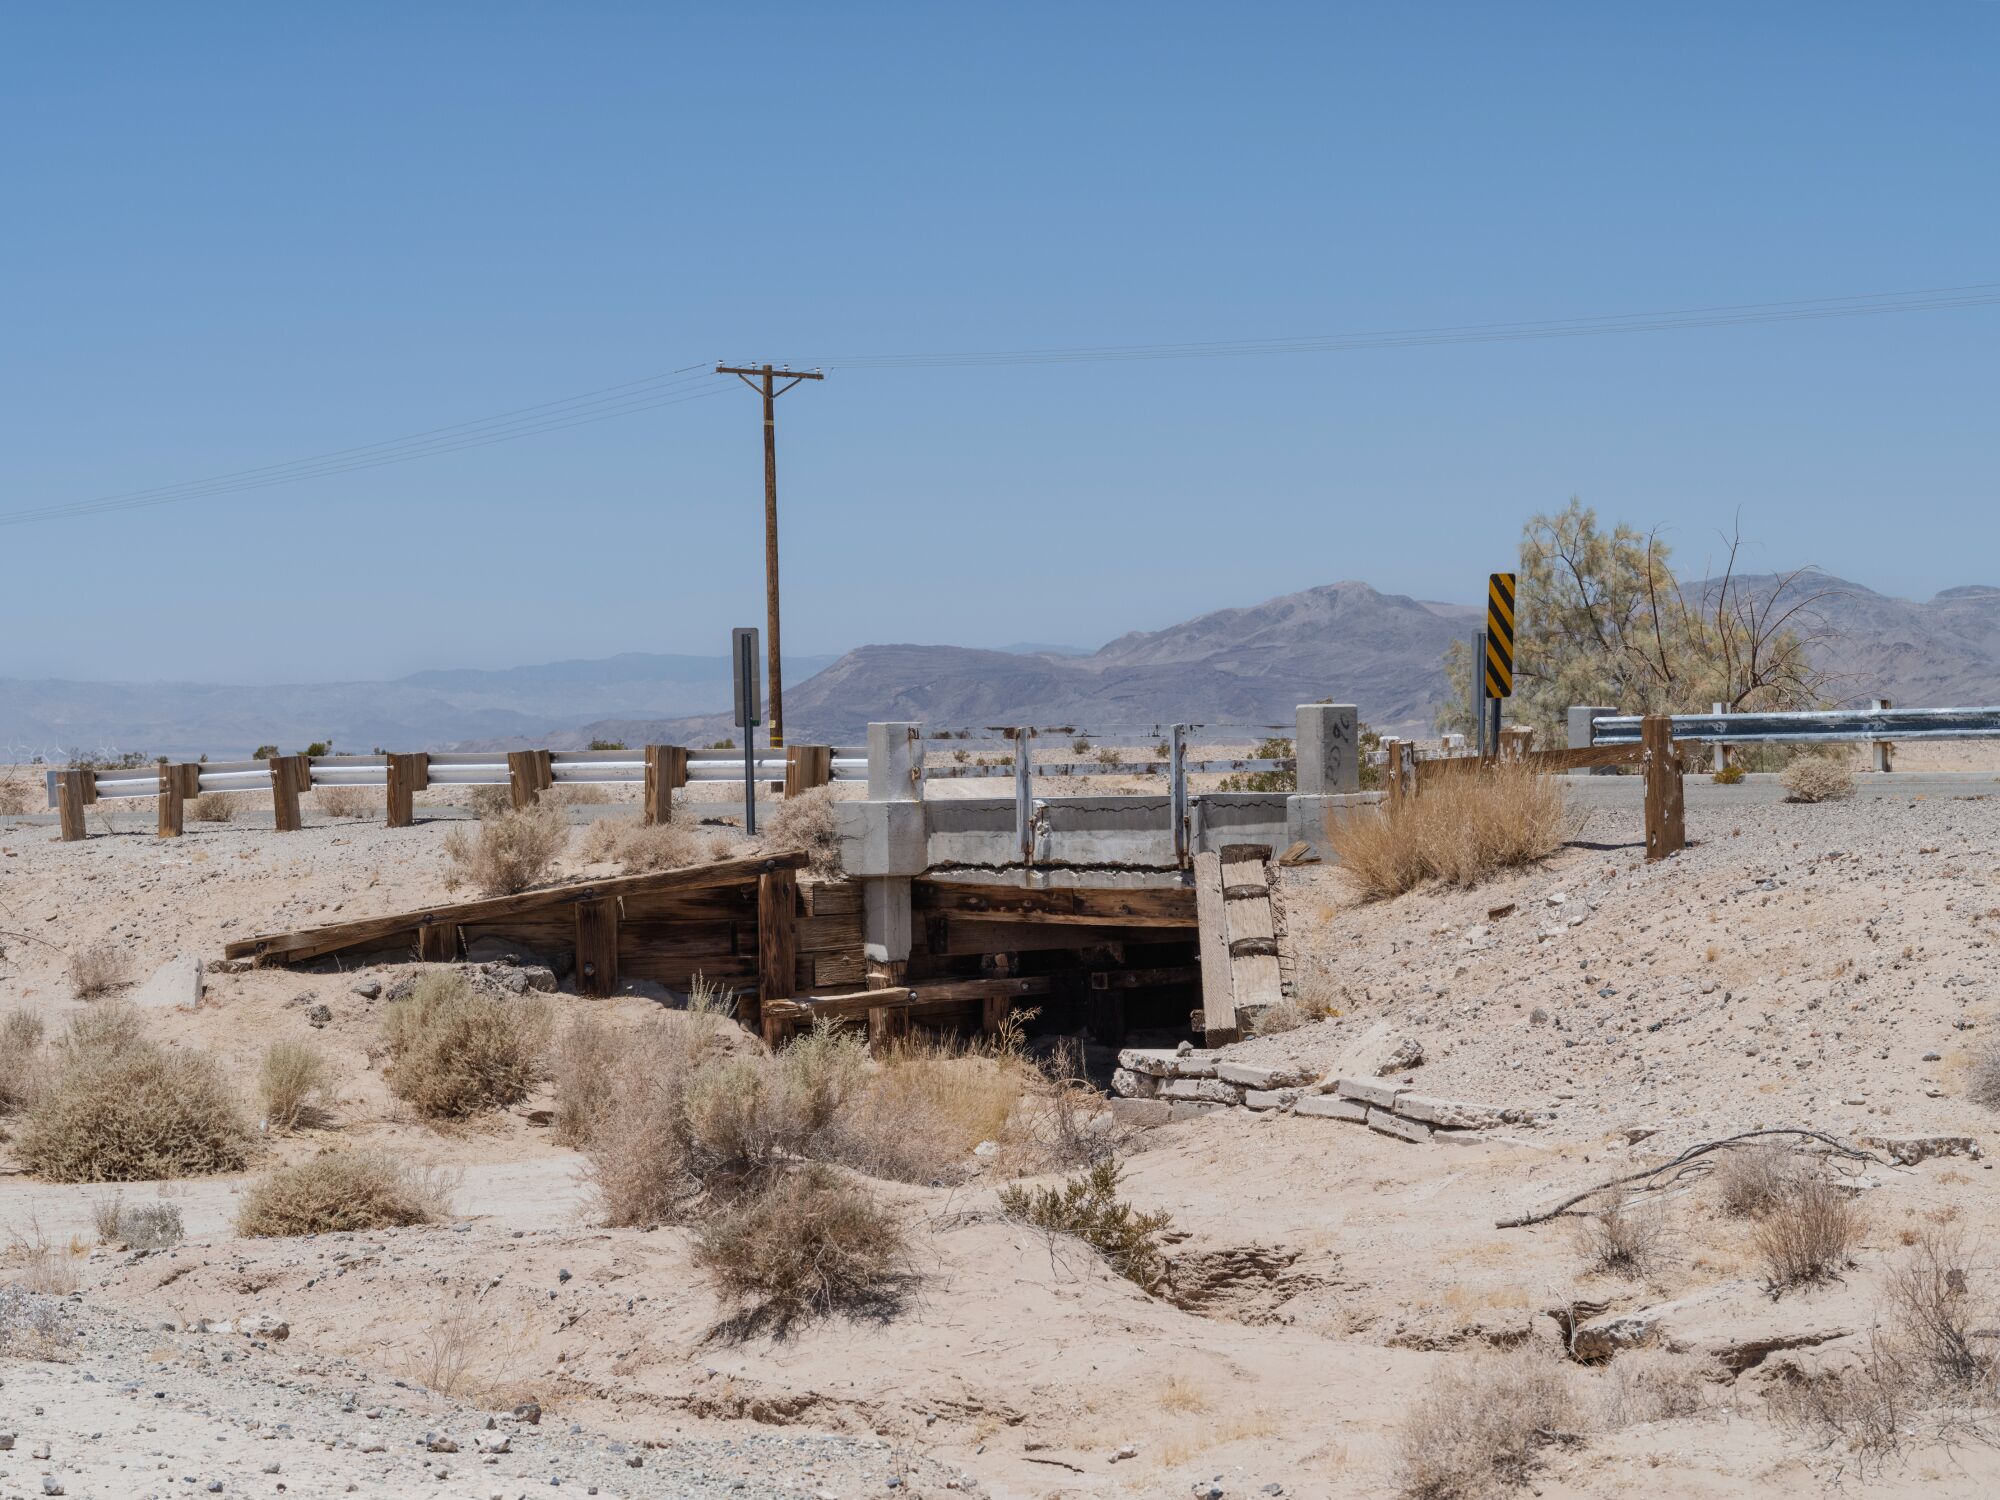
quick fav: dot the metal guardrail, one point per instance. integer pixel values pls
(1812, 727)
(461, 768)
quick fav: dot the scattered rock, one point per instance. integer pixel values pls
(1409, 1054)
(175, 985)
(319, 1015)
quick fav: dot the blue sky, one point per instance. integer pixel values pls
(238, 235)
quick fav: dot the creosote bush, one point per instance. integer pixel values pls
(454, 1050)
(117, 1107)
(509, 852)
(806, 823)
(807, 1241)
(1481, 1422)
(97, 969)
(490, 801)
(294, 1081)
(1626, 1237)
(1087, 1207)
(1816, 778)
(340, 1190)
(1462, 828)
(1753, 1180)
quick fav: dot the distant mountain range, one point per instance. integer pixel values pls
(1231, 669)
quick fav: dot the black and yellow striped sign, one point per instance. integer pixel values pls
(1500, 635)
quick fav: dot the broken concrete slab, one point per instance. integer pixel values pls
(1190, 1109)
(1736, 1324)
(1368, 1091)
(1131, 1085)
(175, 985)
(1450, 1114)
(1327, 1107)
(1154, 1062)
(1212, 1090)
(1408, 1130)
(1270, 1098)
(1253, 1076)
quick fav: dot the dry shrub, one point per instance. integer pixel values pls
(345, 801)
(806, 823)
(1061, 1123)
(20, 1060)
(1753, 1180)
(33, 1325)
(508, 853)
(119, 1108)
(294, 1084)
(213, 807)
(338, 1191)
(1088, 1208)
(599, 843)
(15, 797)
(658, 846)
(1730, 775)
(1480, 1423)
(808, 1241)
(97, 969)
(1463, 829)
(577, 794)
(455, 1051)
(918, 1116)
(1654, 1385)
(1817, 778)
(149, 1226)
(1629, 1236)
(1809, 1235)
(1982, 1084)
(490, 801)
(583, 1067)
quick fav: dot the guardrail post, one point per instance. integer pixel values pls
(1515, 740)
(290, 774)
(1177, 794)
(1721, 748)
(1884, 751)
(173, 789)
(408, 775)
(666, 773)
(1392, 772)
(1666, 811)
(1024, 794)
(807, 767)
(528, 775)
(72, 796)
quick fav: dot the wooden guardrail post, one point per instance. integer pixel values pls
(1515, 740)
(1666, 812)
(666, 773)
(1392, 784)
(529, 774)
(290, 775)
(72, 796)
(173, 800)
(777, 942)
(408, 775)
(807, 767)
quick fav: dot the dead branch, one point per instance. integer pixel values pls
(1677, 1167)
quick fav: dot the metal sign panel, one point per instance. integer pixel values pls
(748, 676)
(1500, 635)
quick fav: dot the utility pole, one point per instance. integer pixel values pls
(763, 379)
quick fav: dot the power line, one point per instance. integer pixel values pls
(1871, 304)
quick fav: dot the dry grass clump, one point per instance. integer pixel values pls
(1753, 1180)
(806, 822)
(1087, 1207)
(1809, 1235)
(808, 1241)
(490, 801)
(294, 1084)
(577, 794)
(1627, 1237)
(641, 848)
(583, 1066)
(510, 852)
(97, 969)
(20, 1060)
(33, 1325)
(15, 796)
(1462, 829)
(455, 1051)
(117, 1107)
(1480, 1424)
(1816, 778)
(1729, 775)
(340, 1190)
(1654, 1385)
(345, 801)
(147, 1226)
(213, 807)
(920, 1114)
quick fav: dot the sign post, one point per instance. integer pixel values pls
(1499, 663)
(749, 713)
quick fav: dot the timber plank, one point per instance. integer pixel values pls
(777, 934)
(335, 935)
(1218, 1001)
(597, 946)
(1144, 906)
